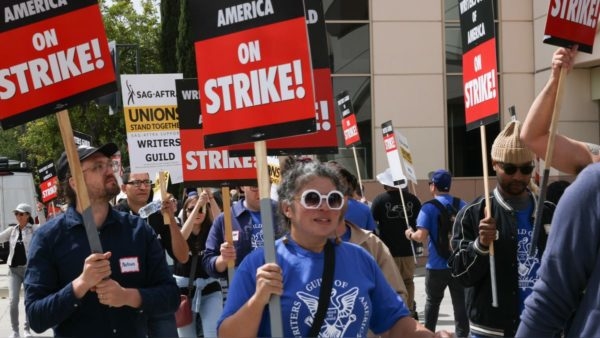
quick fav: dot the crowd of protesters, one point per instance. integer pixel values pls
(328, 285)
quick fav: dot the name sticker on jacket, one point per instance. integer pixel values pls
(235, 235)
(129, 264)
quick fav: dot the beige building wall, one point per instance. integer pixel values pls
(408, 61)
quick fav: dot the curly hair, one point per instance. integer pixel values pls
(297, 176)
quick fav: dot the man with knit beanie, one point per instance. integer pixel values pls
(509, 228)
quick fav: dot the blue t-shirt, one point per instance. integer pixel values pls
(360, 214)
(528, 266)
(428, 219)
(361, 298)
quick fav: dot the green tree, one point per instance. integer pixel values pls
(186, 57)
(169, 31)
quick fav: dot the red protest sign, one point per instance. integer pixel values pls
(324, 141)
(480, 82)
(201, 166)
(349, 127)
(572, 22)
(58, 57)
(255, 77)
(49, 189)
(214, 166)
(480, 78)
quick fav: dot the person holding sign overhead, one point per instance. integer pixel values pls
(510, 229)
(327, 287)
(570, 156)
(79, 293)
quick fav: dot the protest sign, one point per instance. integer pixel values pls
(152, 123)
(49, 62)
(349, 127)
(49, 185)
(480, 75)
(324, 141)
(393, 157)
(572, 22)
(406, 155)
(252, 87)
(201, 166)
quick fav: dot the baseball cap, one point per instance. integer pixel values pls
(84, 152)
(441, 179)
(23, 207)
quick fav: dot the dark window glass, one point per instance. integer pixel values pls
(359, 88)
(346, 9)
(453, 48)
(349, 45)
(464, 147)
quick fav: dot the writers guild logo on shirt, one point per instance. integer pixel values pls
(344, 305)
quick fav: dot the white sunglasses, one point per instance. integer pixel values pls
(312, 199)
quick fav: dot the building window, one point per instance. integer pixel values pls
(464, 147)
(349, 38)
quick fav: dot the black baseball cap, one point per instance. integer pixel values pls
(84, 152)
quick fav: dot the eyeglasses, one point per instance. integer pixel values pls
(20, 213)
(138, 183)
(511, 169)
(312, 199)
(100, 167)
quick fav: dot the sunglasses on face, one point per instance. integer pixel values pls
(312, 199)
(511, 169)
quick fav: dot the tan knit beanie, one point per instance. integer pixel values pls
(507, 147)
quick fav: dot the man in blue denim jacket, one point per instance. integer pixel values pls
(84, 294)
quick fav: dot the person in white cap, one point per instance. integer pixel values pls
(388, 212)
(19, 237)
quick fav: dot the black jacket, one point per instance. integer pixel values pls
(472, 267)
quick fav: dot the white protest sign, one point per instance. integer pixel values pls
(409, 168)
(152, 123)
(391, 150)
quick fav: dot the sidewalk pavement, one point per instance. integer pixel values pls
(5, 326)
(445, 319)
(446, 316)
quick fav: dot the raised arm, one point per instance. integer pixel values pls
(535, 129)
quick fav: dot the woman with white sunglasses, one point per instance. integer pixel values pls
(309, 255)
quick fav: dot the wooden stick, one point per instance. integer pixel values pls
(539, 208)
(362, 193)
(228, 228)
(83, 199)
(488, 213)
(162, 183)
